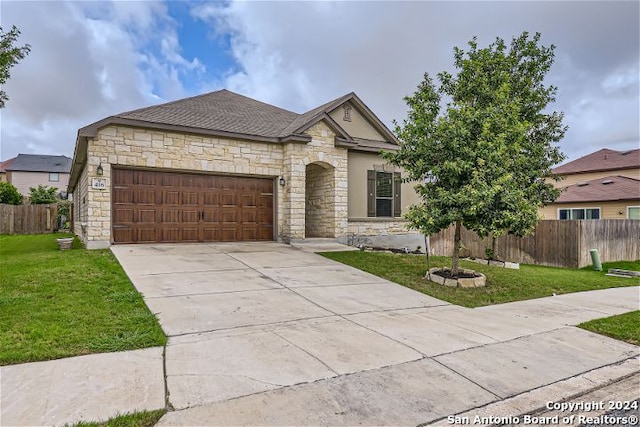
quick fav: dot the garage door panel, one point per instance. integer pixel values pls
(170, 197)
(190, 216)
(230, 234)
(211, 234)
(212, 215)
(190, 198)
(147, 216)
(211, 198)
(147, 234)
(123, 234)
(171, 215)
(153, 206)
(125, 214)
(145, 196)
(189, 234)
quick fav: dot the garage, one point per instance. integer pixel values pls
(168, 207)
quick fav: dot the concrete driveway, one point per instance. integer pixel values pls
(263, 333)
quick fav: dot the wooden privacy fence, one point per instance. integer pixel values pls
(28, 219)
(555, 243)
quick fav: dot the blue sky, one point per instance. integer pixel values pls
(90, 60)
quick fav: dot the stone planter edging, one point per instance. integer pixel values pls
(503, 264)
(471, 282)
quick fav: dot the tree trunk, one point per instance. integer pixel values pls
(426, 250)
(493, 247)
(457, 244)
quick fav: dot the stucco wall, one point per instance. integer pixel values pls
(24, 180)
(358, 127)
(359, 164)
(608, 210)
(583, 177)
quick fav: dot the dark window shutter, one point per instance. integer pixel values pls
(397, 190)
(371, 193)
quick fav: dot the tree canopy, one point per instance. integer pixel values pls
(10, 55)
(480, 142)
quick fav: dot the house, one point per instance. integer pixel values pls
(225, 167)
(30, 170)
(3, 169)
(601, 185)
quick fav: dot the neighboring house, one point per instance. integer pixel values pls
(31, 170)
(3, 169)
(224, 167)
(600, 185)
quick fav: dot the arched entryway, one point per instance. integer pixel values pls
(320, 218)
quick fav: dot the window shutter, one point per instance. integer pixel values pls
(397, 190)
(371, 193)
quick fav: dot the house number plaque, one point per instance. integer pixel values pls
(99, 183)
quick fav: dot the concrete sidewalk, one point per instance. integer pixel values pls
(268, 334)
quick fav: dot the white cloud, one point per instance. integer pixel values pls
(299, 55)
(93, 59)
(88, 60)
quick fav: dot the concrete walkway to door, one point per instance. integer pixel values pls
(267, 334)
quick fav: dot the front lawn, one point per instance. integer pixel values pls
(625, 327)
(503, 284)
(57, 304)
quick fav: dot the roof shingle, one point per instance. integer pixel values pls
(40, 163)
(601, 160)
(610, 188)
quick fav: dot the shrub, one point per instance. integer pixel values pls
(9, 194)
(43, 195)
(64, 214)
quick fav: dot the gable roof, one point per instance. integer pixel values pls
(40, 163)
(601, 160)
(610, 188)
(228, 114)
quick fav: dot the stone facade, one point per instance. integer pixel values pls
(314, 201)
(116, 146)
(319, 195)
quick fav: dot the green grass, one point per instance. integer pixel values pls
(625, 327)
(503, 284)
(57, 304)
(137, 419)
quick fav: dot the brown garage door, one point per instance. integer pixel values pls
(157, 207)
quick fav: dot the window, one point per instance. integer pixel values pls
(580, 213)
(383, 194)
(633, 212)
(54, 177)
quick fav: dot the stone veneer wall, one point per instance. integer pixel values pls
(320, 190)
(80, 210)
(134, 147)
(377, 227)
(296, 156)
(381, 232)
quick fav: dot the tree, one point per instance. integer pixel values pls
(483, 160)
(43, 195)
(9, 194)
(10, 55)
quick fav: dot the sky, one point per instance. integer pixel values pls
(93, 59)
